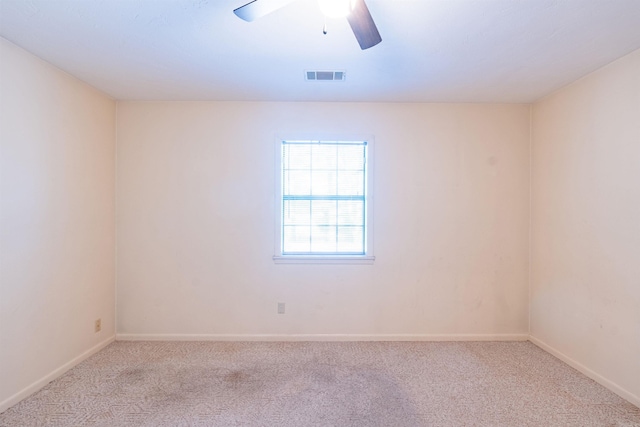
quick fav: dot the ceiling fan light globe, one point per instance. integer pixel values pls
(336, 8)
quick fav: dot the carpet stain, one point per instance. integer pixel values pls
(236, 378)
(133, 374)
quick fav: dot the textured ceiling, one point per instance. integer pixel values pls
(432, 50)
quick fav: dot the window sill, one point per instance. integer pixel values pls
(323, 259)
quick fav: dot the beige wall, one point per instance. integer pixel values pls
(57, 140)
(585, 292)
(196, 222)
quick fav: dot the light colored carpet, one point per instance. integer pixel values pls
(322, 384)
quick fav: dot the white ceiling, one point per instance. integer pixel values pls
(432, 50)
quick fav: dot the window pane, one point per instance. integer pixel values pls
(323, 183)
(351, 212)
(323, 212)
(296, 183)
(324, 157)
(296, 212)
(351, 183)
(323, 239)
(350, 239)
(296, 239)
(296, 156)
(351, 157)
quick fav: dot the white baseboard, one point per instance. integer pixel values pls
(322, 337)
(7, 403)
(627, 395)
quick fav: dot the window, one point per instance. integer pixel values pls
(324, 204)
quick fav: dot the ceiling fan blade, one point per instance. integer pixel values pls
(363, 26)
(259, 8)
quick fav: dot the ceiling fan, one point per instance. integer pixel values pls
(356, 12)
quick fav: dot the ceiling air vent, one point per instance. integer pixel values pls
(325, 76)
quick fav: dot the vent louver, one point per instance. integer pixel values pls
(325, 76)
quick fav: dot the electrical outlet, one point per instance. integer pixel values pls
(280, 308)
(98, 325)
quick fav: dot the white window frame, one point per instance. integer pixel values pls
(368, 257)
